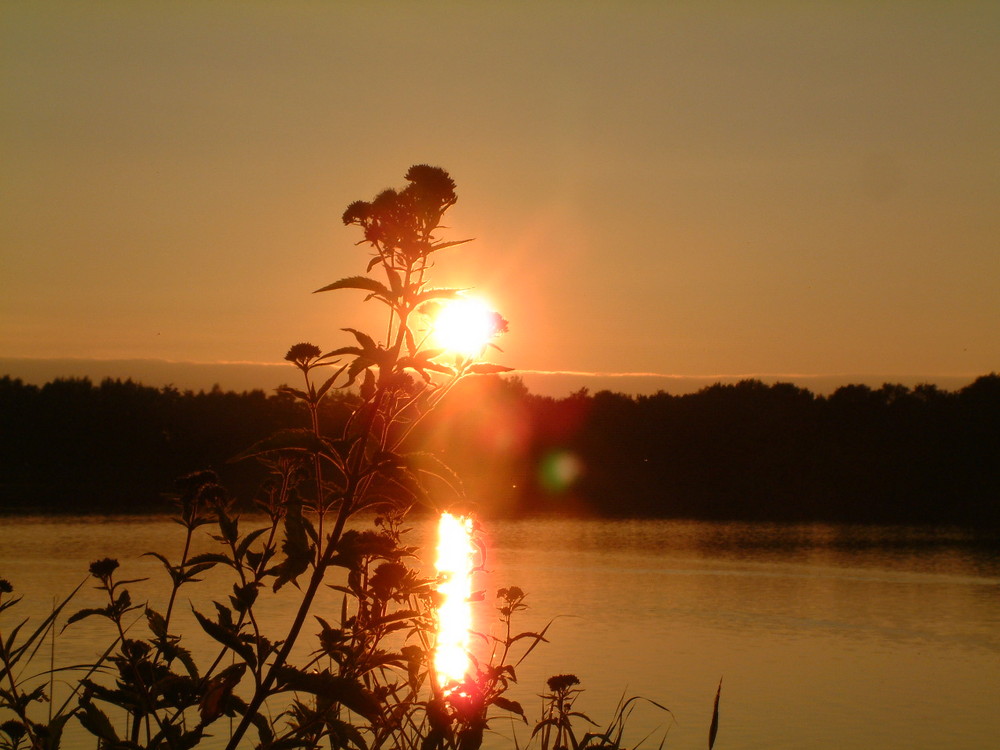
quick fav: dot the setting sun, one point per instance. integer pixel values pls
(464, 326)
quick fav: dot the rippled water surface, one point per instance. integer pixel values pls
(824, 636)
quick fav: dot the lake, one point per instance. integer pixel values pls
(824, 636)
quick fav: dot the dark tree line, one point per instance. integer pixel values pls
(743, 451)
(72, 446)
(747, 451)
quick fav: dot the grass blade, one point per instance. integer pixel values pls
(714, 729)
(37, 637)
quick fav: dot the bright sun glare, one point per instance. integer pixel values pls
(464, 326)
(454, 565)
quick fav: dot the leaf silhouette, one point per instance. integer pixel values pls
(487, 368)
(508, 705)
(714, 729)
(295, 439)
(364, 283)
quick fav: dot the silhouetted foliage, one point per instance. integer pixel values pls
(375, 681)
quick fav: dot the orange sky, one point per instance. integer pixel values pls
(692, 188)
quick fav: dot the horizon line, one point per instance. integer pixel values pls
(518, 371)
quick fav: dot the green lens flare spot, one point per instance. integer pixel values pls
(559, 470)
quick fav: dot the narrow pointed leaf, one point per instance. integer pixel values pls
(344, 350)
(157, 625)
(431, 294)
(487, 368)
(508, 705)
(84, 613)
(226, 637)
(713, 730)
(43, 628)
(291, 439)
(299, 394)
(364, 283)
(443, 245)
(249, 539)
(366, 341)
(328, 383)
(395, 282)
(210, 557)
(98, 723)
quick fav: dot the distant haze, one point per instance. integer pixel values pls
(243, 376)
(703, 188)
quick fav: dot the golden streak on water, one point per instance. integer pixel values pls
(454, 565)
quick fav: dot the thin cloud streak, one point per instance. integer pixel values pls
(728, 376)
(248, 374)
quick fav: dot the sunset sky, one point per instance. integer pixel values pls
(681, 188)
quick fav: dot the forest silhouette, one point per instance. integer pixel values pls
(746, 451)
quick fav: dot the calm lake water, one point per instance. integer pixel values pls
(824, 636)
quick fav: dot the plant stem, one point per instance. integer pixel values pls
(318, 574)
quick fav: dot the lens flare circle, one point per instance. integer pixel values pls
(455, 552)
(464, 326)
(560, 470)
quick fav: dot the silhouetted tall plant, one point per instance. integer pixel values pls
(368, 681)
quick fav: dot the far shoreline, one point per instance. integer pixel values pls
(267, 376)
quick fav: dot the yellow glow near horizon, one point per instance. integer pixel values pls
(464, 326)
(454, 614)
